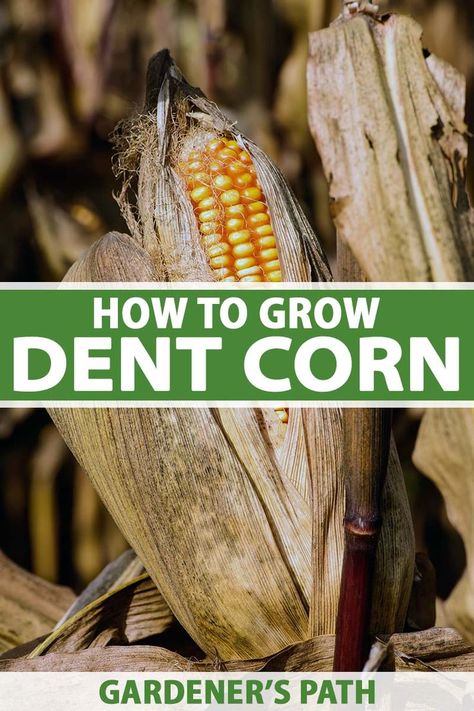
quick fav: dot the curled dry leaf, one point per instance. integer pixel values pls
(445, 453)
(125, 615)
(29, 606)
(217, 503)
(119, 572)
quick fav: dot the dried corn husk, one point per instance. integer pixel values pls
(216, 504)
(29, 606)
(389, 125)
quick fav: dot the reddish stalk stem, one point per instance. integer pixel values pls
(366, 446)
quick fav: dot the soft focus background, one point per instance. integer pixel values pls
(69, 71)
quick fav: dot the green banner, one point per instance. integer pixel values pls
(232, 345)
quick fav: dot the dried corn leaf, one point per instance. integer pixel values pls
(393, 149)
(445, 453)
(127, 659)
(29, 606)
(116, 574)
(395, 551)
(125, 615)
(437, 649)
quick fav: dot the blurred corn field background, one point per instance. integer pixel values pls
(70, 70)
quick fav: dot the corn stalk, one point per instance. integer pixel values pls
(366, 437)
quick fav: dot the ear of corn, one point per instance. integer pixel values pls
(217, 503)
(233, 217)
(234, 221)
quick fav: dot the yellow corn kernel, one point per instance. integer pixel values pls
(230, 197)
(263, 230)
(215, 145)
(245, 157)
(250, 271)
(243, 250)
(266, 242)
(274, 276)
(224, 260)
(235, 211)
(268, 255)
(200, 178)
(236, 168)
(215, 167)
(244, 181)
(251, 278)
(208, 228)
(245, 263)
(282, 413)
(209, 215)
(201, 193)
(227, 155)
(239, 237)
(259, 219)
(251, 194)
(257, 206)
(210, 240)
(224, 274)
(234, 224)
(207, 203)
(219, 249)
(223, 182)
(233, 144)
(272, 266)
(195, 166)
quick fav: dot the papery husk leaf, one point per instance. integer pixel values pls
(188, 505)
(29, 606)
(278, 495)
(445, 453)
(125, 615)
